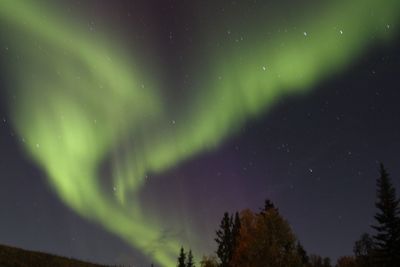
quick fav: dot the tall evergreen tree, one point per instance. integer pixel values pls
(182, 258)
(190, 262)
(224, 240)
(387, 237)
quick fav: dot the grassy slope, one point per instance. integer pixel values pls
(15, 257)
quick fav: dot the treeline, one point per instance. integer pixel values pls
(265, 238)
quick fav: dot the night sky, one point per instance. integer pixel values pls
(128, 127)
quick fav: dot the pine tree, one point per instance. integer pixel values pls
(387, 238)
(182, 258)
(224, 240)
(190, 262)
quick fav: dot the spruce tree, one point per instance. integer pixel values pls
(224, 241)
(387, 237)
(190, 262)
(182, 258)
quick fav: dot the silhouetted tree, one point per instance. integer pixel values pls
(302, 254)
(269, 205)
(190, 262)
(209, 262)
(265, 240)
(182, 258)
(327, 262)
(387, 238)
(318, 261)
(315, 260)
(235, 231)
(224, 241)
(364, 251)
(347, 261)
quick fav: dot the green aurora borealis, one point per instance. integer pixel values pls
(82, 101)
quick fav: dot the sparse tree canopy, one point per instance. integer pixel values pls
(364, 251)
(209, 262)
(347, 261)
(318, 261)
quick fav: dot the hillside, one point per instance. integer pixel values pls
(16, 257)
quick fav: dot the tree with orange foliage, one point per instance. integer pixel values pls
(209, 262)
(347, 261)
(265, 240)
